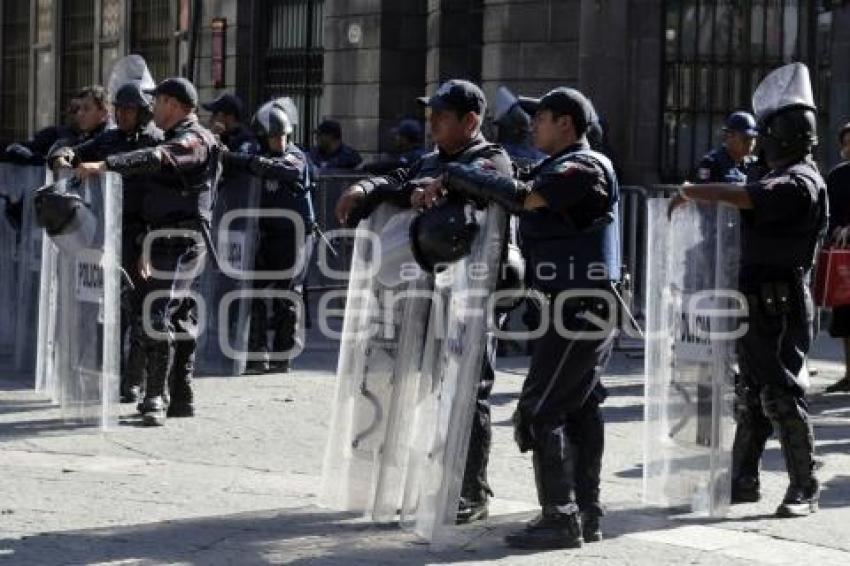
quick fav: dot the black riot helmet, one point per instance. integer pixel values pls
(513, 123)
(789, 134)
(271, 120)
(132, 94)
(784, 107)
(514, 126)
(65, 216)
(443, 234)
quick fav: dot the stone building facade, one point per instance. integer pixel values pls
(663, 73)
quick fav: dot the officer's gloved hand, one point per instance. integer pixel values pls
(61, 158)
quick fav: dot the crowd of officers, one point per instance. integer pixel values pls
(171, 167)
(563, 191)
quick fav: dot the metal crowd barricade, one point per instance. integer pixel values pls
(326, 263)
(633, 229)
(663, 191)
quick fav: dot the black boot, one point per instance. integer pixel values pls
(258, 339)
(586, 430)
(558, 524)
(475, 491)
(554, 528)
(257, 367)
(745, 489)
(133, 372)
(591, 530)
(130, 394)
(800, 501)
(280, 366)
(153, 411)
(153, 408)
(469, 510)
(182, 399)
(751, 434)
(790, 419)
(284, 326)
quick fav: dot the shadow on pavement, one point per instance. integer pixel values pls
(293, 536)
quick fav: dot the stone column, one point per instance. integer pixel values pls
(374, 67)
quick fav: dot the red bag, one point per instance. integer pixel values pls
(832, 278)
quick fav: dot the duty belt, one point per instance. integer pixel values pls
(193, 224)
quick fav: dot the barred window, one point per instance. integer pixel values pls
(14, 84)
(78, 25)
(293, 60)
(716, 52)
(151, 35)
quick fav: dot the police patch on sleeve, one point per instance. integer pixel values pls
(704, 174)
(246, 147)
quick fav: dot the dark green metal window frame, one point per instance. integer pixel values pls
(715, 53)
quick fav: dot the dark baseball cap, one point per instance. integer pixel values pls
(330, 127)
(462, 96)
(410, 129)
(226, 103)
(742, 123)
(179, 88)
(563, 100)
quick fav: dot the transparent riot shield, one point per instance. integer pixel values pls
(79, 316)
(692, 321)
(29, 273)
(460, 317)
(20, 264)
(377, 375)
(235, 234)
(10, 199)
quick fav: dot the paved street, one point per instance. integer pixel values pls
(238, 485)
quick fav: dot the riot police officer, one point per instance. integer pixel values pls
(455, 112)
(729, 162)
(92, 117)
(133, 114)
(513, 132)
(783, 217)
(285, 175)
(569, 234)
(226, 123)
(330, 152)
(34, 151)
(182, 172)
